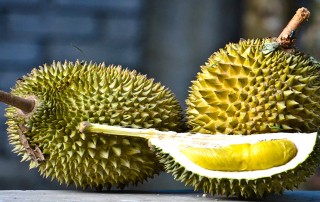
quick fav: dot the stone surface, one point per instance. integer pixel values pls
(58, 195)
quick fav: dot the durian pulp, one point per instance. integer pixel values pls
(304, 143)
(243, 157)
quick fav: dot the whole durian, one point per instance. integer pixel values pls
(61, 96)
(256, 86)
(252, 87)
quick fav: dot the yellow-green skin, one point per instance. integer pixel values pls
(67, 94)
(243, 89)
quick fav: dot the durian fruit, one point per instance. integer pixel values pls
(56, 98)
(263, 88)
(246, 166)
(256, 86)
(252, 87)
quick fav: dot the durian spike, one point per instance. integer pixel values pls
(286, 38)
(26, 105)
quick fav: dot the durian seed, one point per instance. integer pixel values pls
(243, 157)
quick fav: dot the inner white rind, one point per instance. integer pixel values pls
(304, 142)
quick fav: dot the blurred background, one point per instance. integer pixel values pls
(166, 39)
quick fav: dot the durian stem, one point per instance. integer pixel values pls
(86, 127)
(26, 105)
(286, 38)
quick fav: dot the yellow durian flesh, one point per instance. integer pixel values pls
(243, 157)
(304, 142)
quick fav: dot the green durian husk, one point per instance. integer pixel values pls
(247, 88)
(69, 93)
(243, 89)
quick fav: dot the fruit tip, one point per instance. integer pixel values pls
(83, 126)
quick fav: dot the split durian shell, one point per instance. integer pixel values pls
(242, 184)
(273, 163)
(69, 93)
(244, 89)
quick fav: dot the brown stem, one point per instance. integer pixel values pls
(35, 154)
(26, 105)
(286, 39)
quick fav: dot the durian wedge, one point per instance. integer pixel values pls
(273, 162)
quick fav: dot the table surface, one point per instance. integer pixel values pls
(127, 196)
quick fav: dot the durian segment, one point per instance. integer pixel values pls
(246, 184)
(69, 93)
(304, 143)
(242, 157)
(241, 90)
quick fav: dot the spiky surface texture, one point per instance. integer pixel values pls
(69, 93)
(241, 90)
(244, 188)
